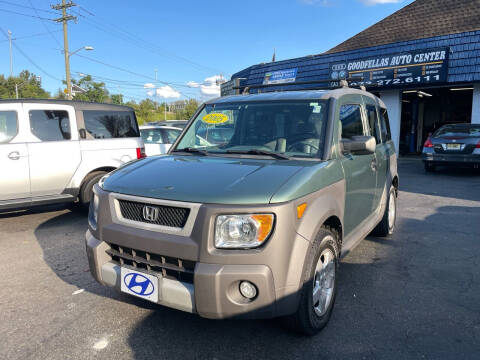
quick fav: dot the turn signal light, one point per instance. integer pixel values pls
(141, 153)
(300, 210)
(428, 143)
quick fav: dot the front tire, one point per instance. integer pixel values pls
(319, 285)
(86, 189)
(386, 226)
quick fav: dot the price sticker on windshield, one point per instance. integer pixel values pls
(215, 118)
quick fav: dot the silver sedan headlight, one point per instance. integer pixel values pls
(242, 231)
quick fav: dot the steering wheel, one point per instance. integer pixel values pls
(305, 142)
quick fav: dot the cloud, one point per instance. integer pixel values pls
(167, 92)
(377, 2)
(148, 86)
(193, 84)
(210, 86)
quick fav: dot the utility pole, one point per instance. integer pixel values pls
(11, 56)
(65, 19)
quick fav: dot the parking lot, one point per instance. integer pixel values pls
(415, 295)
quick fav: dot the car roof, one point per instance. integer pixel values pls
(461, 125)
(79, 105)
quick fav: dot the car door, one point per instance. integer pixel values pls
(53, 147)
(360, 175)
(14, 172)
(381, 151)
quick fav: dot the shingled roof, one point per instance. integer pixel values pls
(418, 20)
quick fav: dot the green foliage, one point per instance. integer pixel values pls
(191, 107)
(28, 84)
(94, 91)
(117, 99)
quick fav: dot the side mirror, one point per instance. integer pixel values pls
(359, 145)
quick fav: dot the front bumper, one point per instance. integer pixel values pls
(215, 293)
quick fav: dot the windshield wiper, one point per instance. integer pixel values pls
(259, 152)
(192, 150)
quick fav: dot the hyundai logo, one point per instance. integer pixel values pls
(138, 284)
(150, 213)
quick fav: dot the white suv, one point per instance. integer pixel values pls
(54, 151)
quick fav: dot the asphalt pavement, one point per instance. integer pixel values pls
(414, 295)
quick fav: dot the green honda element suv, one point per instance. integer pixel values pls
(249, 213)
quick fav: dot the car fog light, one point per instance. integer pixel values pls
(248, 290)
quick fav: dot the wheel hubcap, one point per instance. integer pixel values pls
(391, 211)
(324, 282)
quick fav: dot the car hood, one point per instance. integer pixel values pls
(192, 178)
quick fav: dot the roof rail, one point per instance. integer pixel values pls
(330, 84)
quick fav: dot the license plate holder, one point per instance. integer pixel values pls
(139, 284)
(454, 146)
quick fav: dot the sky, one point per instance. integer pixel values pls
(172, 50)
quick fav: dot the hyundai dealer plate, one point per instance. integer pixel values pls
(139, 284)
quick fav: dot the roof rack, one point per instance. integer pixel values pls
(332, 84)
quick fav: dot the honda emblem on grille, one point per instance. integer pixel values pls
(150, 213)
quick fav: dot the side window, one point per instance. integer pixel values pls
(152, 136)
(171, 135)
(351, 119)
(385, 125)
(50, 125)
(110, 124)
(373, 122)
(8, 126)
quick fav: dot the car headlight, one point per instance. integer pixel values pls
(242, 231)
(93, 212)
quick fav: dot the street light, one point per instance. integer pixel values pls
(67, 63)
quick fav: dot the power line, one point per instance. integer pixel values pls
(22, 14)
(29, 59)
(139, 42)
(28, 7)
(30, 36)
(45, 26)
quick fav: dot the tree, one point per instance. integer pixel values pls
(28, 84)
(191, 107)
(94, 91)
(117, 99)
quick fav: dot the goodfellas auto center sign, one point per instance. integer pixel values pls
(410, 68)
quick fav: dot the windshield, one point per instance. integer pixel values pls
(293, 129)
(467, 130)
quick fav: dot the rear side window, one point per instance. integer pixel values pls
(171, 135)
(50, 125)
(385, 125)
(152, 136)
(8, 126)
(110, 124)
(373, 122)
(351, 119)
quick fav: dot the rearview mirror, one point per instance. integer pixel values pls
(359, 145)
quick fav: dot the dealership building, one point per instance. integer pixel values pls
(423, 61)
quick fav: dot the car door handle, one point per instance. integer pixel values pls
(14, 155)
(373, 165)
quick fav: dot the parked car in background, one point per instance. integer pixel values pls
(172, 123)
(158, 139)
(54, 151)
(453, 145)
(253, 227)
